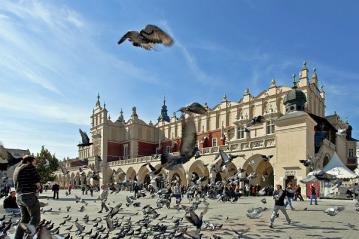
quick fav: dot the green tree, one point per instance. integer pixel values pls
(47, 164)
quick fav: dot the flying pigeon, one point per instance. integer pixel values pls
(147, 37)
(188, 144)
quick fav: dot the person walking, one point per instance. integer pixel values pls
(27, 184)
(298, 193)
(56, 189)
(278, 197)
(69, 188)
(289, 194)
(313, 195)
(91, 190)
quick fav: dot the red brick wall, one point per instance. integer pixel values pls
(115, 150)
(145, 149)
(209, 136)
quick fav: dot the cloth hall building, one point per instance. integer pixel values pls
(293, 127)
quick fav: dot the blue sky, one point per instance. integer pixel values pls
(55, 56)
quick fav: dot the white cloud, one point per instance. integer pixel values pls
(35, 106)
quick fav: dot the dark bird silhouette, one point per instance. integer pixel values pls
(188, 141)
(266, 157)
(255, 120)
(147, 37)
(153, 170)
(194, 108)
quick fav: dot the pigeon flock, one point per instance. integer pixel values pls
(131, 219)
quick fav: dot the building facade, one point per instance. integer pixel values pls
(290, 125)
(8, 160)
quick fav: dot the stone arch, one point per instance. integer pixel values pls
(230, 171)
(180, 172)
(142, 173)
(265, 174)
(198, 168)
(108, 176)
(131, 174)
(263, 169)
(119, 175)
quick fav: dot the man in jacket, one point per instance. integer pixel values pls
(10, 204)
(279, 196)
(27, 184)
(56, 189)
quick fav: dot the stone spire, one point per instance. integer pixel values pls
(98, 104)
(314, 77)
(164, 116)
(322, 92)
(121, 118)
(304, 71)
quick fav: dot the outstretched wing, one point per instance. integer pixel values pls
(156, 35)
(132, 35)
(188, 141)
(193, 218)
(224, 156)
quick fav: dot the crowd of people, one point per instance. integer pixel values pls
(23, 199)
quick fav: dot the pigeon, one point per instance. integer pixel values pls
(196, 220)
(64, 169)
(188, 145)
(255, 120)
(306, 162)
(44, 233)
(266, 157)
(226, 158)
(147, 37)
(255, 213)
(332, 211)
(194, 108)
(153, 170)
(79, 227)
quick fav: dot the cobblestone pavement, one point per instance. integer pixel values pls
(309, 223)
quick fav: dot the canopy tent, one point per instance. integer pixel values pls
(337, 168)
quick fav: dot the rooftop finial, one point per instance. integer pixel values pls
(305, 65)
(314, 76)
(225, 99)
(272, 84)
(98, 99)
(294, 82)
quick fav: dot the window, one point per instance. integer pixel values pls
(351, 153)
(214, 142)
(125, 151)
(270, 127)
(241, 133)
